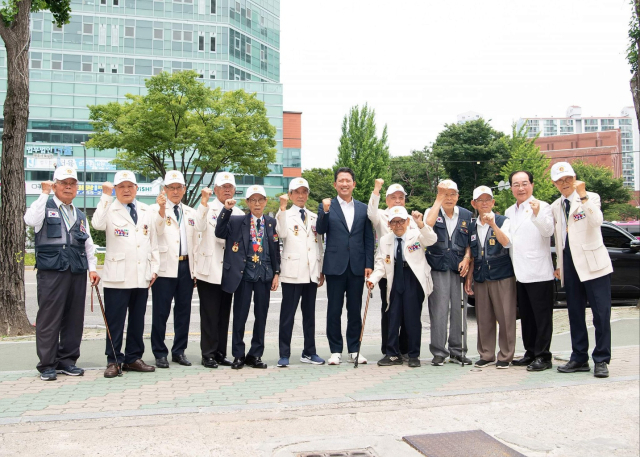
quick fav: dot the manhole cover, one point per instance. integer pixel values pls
(345, 453)
(472, 443)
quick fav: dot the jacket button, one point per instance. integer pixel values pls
(241, 271)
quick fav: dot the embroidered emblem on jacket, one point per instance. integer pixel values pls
(121, 232)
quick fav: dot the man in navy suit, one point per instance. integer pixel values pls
(348, 260)
(251, 267)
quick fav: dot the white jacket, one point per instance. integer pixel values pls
(417, 240)
(169, 241)
(301, 260)
(588, 252)
(132, 249)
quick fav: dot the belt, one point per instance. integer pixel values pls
(183, 257)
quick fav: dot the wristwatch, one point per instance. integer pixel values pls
(585, 198)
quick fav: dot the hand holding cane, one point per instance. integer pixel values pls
(104, 316)
(364, 320)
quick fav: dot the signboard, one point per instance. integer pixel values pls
(94, 189)
(48, 149)
(47, 162)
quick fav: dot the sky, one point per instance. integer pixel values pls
(420, 63)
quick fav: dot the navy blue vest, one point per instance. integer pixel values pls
(261, 270)
(491, 261)
(447, 253)
(58, 248)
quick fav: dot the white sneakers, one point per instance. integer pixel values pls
(335, 359)
(361, 358)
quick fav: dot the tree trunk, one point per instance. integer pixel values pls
(13, 316)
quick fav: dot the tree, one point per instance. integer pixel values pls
(525, 155)
(419, 174)
(361, 150)
(15, 33)
(321, 185)
(181, 124)
(471, 153)
(600, 180)
(633, 51)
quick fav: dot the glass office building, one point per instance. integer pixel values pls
(108, 50)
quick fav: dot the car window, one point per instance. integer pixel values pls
(614, 238)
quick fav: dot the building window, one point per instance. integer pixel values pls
(87, 29)
(157, 70)
(213, 44)
(177, 35)
(115, 34)
(214, 7)
(158, 34)
(56, 65)
(201, 43)
(212, 74)
(57, 29)
(247, 49)
(128, 69)
(116, 2)
(36, 64)
(103, 2)
(187, 36)
(87, 67)
(248, 14)
(114, 69)
(263, 55)
(261, 21)
(238, 8)
(101, 68)
(129, 32)
(102, 34)
(237, 43)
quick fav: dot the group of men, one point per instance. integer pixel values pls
(235, 259)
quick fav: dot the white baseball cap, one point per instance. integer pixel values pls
(393, 188)
(124, 175)
(65, 172)
(173, 177)
(255, 190)
(224, 177)
(450, 184)
(398, 212)
(298, 182)
(560, 170)
(481, 190)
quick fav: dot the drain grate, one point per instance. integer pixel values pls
(472, 443)
(345, 453)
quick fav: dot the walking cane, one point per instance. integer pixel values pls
(104, 316)
(464, 336)
(364, 320)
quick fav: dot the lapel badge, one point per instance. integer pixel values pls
(275, 237)
(295, 230)
(235, 248)
(388, 259)
(168, 220)
(145, 229)
(463, 224)
(492, 242)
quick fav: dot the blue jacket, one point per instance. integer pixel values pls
(344, 248)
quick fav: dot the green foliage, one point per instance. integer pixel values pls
(60, 9)
(361, 150)
(634, 36)
(419, 174)
(30, 259)
(600, 180)
(181, 124)
(99, 236)
(321, 185)
(525, 156)
(472, 154)
(622, 212)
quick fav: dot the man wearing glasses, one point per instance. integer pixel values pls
(584, 268)
(251, 267)
(175, 278)
(64, 253)
(531, 230)
(495, 283)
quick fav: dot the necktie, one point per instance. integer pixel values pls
(567, 205)
(176, 211)
(133, 213)
(303, 215)
(71, 214)
(398, 274)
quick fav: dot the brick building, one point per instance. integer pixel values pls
(291, 145)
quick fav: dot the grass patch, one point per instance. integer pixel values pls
(30, 259)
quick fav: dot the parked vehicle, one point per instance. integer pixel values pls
(632, 227)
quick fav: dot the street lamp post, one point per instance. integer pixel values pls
(84, 176)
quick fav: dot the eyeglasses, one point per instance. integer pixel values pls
(67, 184)
(566, 180)
(518, 185)
(255, 201)
(484, 201)
(397, 223)
(174, 188)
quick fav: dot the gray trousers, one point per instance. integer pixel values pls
(445, 295)
(496, 301)
(60, 318)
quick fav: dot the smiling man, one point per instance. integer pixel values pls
(584, 268)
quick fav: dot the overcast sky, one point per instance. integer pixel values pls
(420, 63)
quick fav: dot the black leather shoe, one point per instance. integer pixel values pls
(539, 364)
(601, 370)
(209, 362)
(573, 367)
(222, 360)
(181, 359)
(162, 362)
(238, 363)
(523, 362)
(255, 362)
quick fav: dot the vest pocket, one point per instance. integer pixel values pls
(78, 259)
(49, 257)
(163, 257)
(114, 266)
(203, 263)
(290, 265)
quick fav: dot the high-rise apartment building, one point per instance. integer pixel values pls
(110, 47)
(575, 123)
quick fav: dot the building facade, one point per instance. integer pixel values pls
(575, 123)
(108, 50)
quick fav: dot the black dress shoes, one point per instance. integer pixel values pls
(162, 362)
(238, 363)
(181, 359)
(255, 362)
(573, 367)
(209, 362)
(601, 370)
(222, 360)
(523, 362)
(539, 364)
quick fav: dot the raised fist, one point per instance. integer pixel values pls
(284, 199)
(488, 219)
(442, 188)
(378, 184)
(230, 203)
(107, 188)
(579, 187)
(417, 216)
(161, 200)
(206, 195)
(535, 206)
(46, 187)
(326, 204)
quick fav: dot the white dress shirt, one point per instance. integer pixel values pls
(184, 247)
(349, 211)
(451, 222)
(483, 229)
(34, 217)
(297, 210)
(404, 243)
(572, 197)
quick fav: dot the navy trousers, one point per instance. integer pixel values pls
(261, 291)
(384, 321)
(291, 295)
(405, 310)
(535, 302)
(337, 287)
(215, 311)
(116, 304)
(165, 290)
(598, 293)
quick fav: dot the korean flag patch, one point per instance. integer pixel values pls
(473, 237)
(53, 213)
(439, 219)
